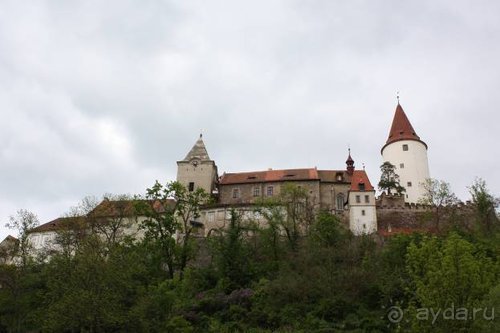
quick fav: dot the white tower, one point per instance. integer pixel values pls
(408, 154)
(197, 170)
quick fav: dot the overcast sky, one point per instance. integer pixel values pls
(105, 96)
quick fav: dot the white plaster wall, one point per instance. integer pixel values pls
(358, 223)
(416, 166)
(203, 175)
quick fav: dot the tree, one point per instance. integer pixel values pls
(485, 204)
(170, 212)
(291, 213)
(23, 222)
(448, 273)
(389, 179)
(438, 195)
(113, 218)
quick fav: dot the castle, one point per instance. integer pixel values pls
(346, 192)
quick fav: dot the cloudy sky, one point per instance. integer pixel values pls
(105, 96)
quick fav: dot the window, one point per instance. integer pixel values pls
(270, 191)
(361, 186)
(256, 191)
(401, 165)
(367, 199)
(340, 201)
(191, 186)
(405, 147)
(408, 184)
(358, 199)
(236, 193)
(363, 212)
(211, 216)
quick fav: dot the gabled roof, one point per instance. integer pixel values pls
(199, 151)
(360, 177)
(60, 224)
(124, 208)
(9, 240)
(331, 176)
(269, 176)
(401, 128)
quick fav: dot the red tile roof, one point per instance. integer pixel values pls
(117, 208)
(331, 176)
(269, 176)
(360, 177)
(60, 224)
(401, 128)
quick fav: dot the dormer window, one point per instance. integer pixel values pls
(339, 177)
(361, 186)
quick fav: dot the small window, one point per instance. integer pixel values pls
(367, 199)
(340, 201)
(361, 186)
(256, 191)
(363, 212)
(236, 193)
(270, 191)
(191, 186)
(358, 199)
(211, 216)
(401, 165)
(408, 184)
(405, 147)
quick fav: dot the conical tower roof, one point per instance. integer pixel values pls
(401, 128)
(199, 151)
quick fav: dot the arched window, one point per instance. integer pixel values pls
(340, 201)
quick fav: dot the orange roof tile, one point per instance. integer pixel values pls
(60, 224)
(401, 128)
(269, 176)
(360, 177)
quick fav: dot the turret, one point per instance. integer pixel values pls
(197, 170)
(350, 163)
(408, 153)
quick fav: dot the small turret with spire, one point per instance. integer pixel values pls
(350, 163)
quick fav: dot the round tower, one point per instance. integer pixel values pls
(408, 154)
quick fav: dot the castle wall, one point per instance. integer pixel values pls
(328, 196)
(246, 194)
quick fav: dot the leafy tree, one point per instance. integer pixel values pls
(438, 195)
(485, 203)
(451, 272)
(169, 212)
(389, 179)
(232, 253)
(23, 222)
(113, 218)
(290, 213)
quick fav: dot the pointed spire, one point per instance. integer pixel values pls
(198, 151)
(401, 128)
(350, 163)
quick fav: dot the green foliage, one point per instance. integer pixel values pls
(446, 273)
(317, 277)
(389, 179)
(168, 223)
(486, 205)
